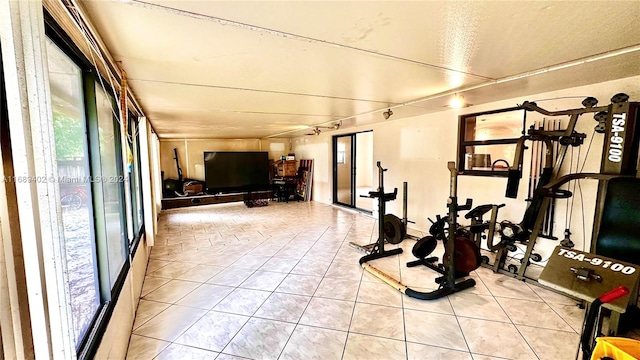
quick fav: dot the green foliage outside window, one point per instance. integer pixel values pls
(67, 131)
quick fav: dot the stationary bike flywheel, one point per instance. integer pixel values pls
(467, 255)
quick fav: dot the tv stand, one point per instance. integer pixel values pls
(208, 199)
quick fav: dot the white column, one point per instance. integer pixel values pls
(30, 123)
(145, 174)
(156, 178)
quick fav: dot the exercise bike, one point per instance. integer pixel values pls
(448, 283)
(466, 256)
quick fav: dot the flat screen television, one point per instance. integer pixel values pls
(231, 171)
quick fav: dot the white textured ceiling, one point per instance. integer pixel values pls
(255, 69)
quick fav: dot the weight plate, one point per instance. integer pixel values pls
(394, 229)
(440, 228)
(424, 247)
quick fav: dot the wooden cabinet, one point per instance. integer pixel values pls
(286, 168)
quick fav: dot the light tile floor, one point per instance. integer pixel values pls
(281, 282)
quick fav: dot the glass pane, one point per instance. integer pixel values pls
(504, 125)
(136, 187)
(364, 170)
(343, 166)
(112, 184)
(138, 182)
(489, 157)
(131, 161)
(75, 193)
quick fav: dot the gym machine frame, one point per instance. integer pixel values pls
(625, 140)
(537, 209)
(448, 285)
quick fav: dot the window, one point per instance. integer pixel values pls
(72, 154)
(135, 181)
(341, 152)
(111, 185)
(488, 141)
(89, 148)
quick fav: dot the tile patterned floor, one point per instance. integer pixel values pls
(281, 282)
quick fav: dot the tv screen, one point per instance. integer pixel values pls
(227, 171)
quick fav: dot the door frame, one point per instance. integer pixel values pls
(334, 156)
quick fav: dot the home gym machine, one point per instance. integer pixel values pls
(618, 121)
(447, 283)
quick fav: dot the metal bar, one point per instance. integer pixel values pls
(405, 187)
(548, 146)
(577, 112)
(450, 277)
(532, 239)
(534, 167)
(490, 142)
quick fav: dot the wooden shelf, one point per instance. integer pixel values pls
(286, 168)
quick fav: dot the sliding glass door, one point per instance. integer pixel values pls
(353, 170)
(343, 171)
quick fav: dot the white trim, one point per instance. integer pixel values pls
(186, 159)
(28, 98)
(156, 177)
(145, 174)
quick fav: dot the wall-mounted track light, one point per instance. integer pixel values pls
(336, 126)
(387, 114)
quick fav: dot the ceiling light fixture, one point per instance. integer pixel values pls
(335, 126)
(457, 101)
(387, 114)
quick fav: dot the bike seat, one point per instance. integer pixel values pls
(480, 210)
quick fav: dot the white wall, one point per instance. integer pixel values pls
(417, 150)
(115, 340)
(191, 153)
(364, 162)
